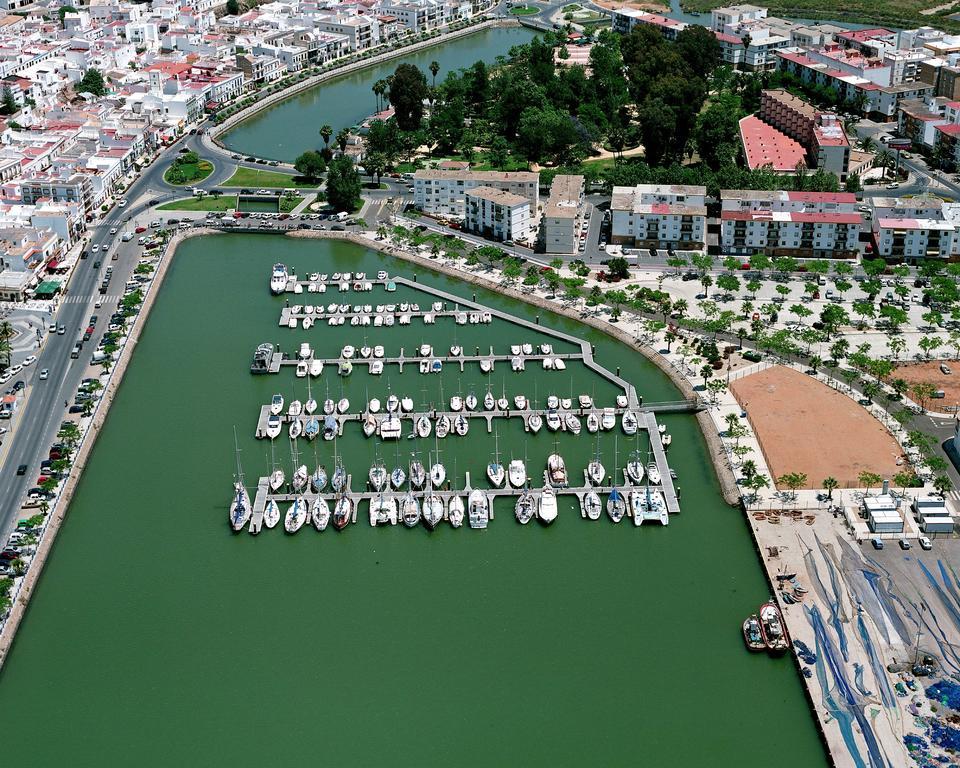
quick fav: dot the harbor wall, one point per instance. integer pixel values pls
(58, 509)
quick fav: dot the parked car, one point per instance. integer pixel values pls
(925, 543)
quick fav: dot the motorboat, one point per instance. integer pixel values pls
(635, 469)
(438, 474)
(262, 358)
(442, 428)
(409, 510)
(418, 475)
(546, 349)
(520, 402)
(502, 403)
(432, 510)
(345, 368)
(596, 472)
(554, 422)
(629, 423)
(378, 351)
(304, 352)
(573, 424)
(296, 429)
(393, 402)
(753, 634)
(271, 514)
(470, 402)
(488, 401)
(553, 402)
(342, 512)
(278, 279)
(514, 349)
(318, 480)
(455, 511)
(622, 401)
(369, 425)
(406, 404)
(566, 403)
(312, 428)
(456, 350)
(525, 508)
(397, 476)
(516, 363)
(547, 363)
(773, 629)
(347, 352)
(274, 426)
(616, 506)
(592, 505)
(666, 440)
(608, 420)
(559, 365)
(478, 509)
(653, 473)
(375, 367)
(295, 409)
(486, 365)
(316, 367)
(377, 475)
(547, 511)
(391, 428)
(593, 423)
(423, 426)
(240, 507)
(585, 401)
(296, 515)
(343, 405)
(276, 404)
(535, 422)
(517, 473)
(456, 403)
(526, 349)
(556, 471)
(330, 427)
(320, 513)
(303, 368)
(461, 425)
(300, 478)
(374, 406)
(339, 480)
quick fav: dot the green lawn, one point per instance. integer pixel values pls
(524, 10)
(206, 203)
(601, 163)
(254, 177)
(189, 173)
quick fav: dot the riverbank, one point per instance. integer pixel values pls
(217, 133)
(90, 431)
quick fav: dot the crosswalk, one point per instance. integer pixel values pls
(955, 495)
(110, 298)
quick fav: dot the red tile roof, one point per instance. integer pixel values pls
(765, 145)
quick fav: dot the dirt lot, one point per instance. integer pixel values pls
(916, 373)
(804, 426)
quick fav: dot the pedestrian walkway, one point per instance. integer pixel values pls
(80, 298)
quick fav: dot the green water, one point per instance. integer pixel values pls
(291, 127)
(158, 638)
(270, 206)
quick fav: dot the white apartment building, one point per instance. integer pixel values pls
(497, 214)
(442, 193)
(912, 229)
(659, 216)
(735, 14)
(418, 15)
(797, 224)
(362, 32)
(562, 217)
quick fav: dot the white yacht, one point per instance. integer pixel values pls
(438, 474)
(548, 506)
(456, 403)
(276, 404)
(271, 514)
(517, 473)
(274, 426)
(278, 279)
(406, 404)
(296, 515)
(525, 508)
(535, 422)
(478, 508)
(320, 513)
(374, 406)
(455, 511)
(608, 420)
(653, 473)
(470, 402)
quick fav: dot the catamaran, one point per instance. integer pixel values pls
(278, 279)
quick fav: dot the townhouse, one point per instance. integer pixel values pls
(659, 216)
(914, 229)
(497, 214)
(443, 193)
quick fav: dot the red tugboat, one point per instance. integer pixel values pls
(774, 630)
(753, 634)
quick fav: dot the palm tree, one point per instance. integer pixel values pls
(343, 136)
(867, 143)
(830, 484)
(434, 68)
(6, 333)
(884, 159)
(326, 132)
(379, 88)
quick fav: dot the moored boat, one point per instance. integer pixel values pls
(592, 505)
(773, 629)
(296, 515)
(455, 511)
(478, 509)
(525, 508)
(271, 514)
(753, 634)
(342, 512)
(320, 513)
(409, 510)
(547, 511)
(556, 471)
(616, 506)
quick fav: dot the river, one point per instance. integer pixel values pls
(157, 635)
(285, 130)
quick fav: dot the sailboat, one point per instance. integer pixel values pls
(438, 473)
(495, 469)
(526, 508)
(556, 471)
(635, 469)
(418, 475)
(398, 475)
(342, 512)
(296, 515)
(432, 509)
(311, 405)
(300, 474)
(616, 504)
(410, 510)
(271, 514)
(377, 475)
(320, 513)
(277, 477)
(240, 507)
(629, 423)
(596, 471)
(592, 506)
(318, 480)
(455, 511)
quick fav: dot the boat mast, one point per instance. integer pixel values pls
(236, 445)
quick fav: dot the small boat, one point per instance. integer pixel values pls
(409, 510)
(296, 516)
(329, 427)
(278, 279)
(488, 401)
(365, 351)
(495, 471)
(339, 480)
(621, 401)
(556, 471)
(629, 423)
(470, 402)
(516, 363)
(312, 428)
(592, 506)
(456, 403)
(502, 403)
(274, 426)
(276, 479)
(406, 404)
(546, 349)
(585, 401)
(397, 476)
(456, 350)
(616, 506)
(455, 511)
(478, 509)
(343, 405)
(547, 363)
(554, 422)
(240, 508)
(514, 349)
(773, 629)
(526, 349)
(378, 351)
(316, 367)
(347, 352)
(374, 406)
(303, 368)
(666, 440)
(345, 368)
(608, 420)
(342, 512)
(271, 514)
(310, 406)
(393, 402)
(300, 478)
(635, 469)
(753, 634)
(276, 404)
(547, 511)
(534, 422)
(566, 403)
(426, 350)
(432, 510)
(296, 429)
(377, 475)
(573, 424)
(559, 365)
(329, 406)
(486, 365)
(553, 402)
(436, 366)
(593, 423)
(520, 402)
(320, 513)
(653, 472)
(423, 426)
(525, 508)
(461, 425)
(442, 428)
(318, 480)
(295, 409)
(369, 425)
(596, 472)
(438, 474)
(418, 475)
(517, 473)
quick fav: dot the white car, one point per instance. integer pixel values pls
(14, 370)
(96, 248)
(52, 328)
(122, 203)
(44, 374)
(925, 543)
(29, 360)
(113, 230)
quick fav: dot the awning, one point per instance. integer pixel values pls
(47, 288)
(53, 264)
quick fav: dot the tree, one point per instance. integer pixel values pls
(728, 283)
(92, 82)
(8, 105)
(376, 164)
(929, 344)
(942, 484)
(408, 89)
(830, 484)
(326, 131)
(233, 8)
(618, 268)
(343, 136)
(434, 68)
(310, 165)
(749, 469)
(922, 391)
(793, 481)
(343, 184)
(717, 133)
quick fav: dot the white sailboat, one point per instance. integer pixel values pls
(320, 513)
(495, 472)
(296, 515)
(455, 511)
(271, 514)
(240, 507)
(592, 505)
(525, 508)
